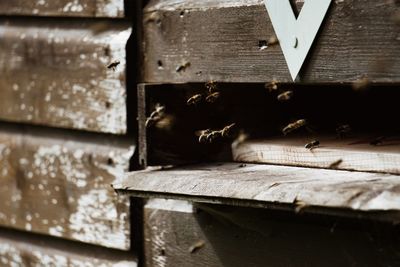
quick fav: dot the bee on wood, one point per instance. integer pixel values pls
(196, 246)
(183, 67)
(294, 126)
(335, 164)
(211, 86)
(361, 84)
(211, 98)
(194, 100)
(273, 40)
(272, 86)
(156, 115)
(227, 130)
(343, 130)
(313, 144)
(377, 141)
(285, 96)
(113, 65)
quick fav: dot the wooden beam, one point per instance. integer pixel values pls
(64, 8)
(22, 249)
(197, 41)
(58, 184)
(344, 154)
(269, 186)
(178, 233)
(55, 73)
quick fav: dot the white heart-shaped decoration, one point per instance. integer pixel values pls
(296, 36)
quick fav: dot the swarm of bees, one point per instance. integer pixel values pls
(208, 135)
(156, 115)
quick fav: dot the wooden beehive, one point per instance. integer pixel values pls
(258, 195)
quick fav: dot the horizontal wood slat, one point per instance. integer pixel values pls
(60, 185)
(197, 41)
(55, 73)
(334, 153)
(63, 8)
(269, 186)
(21, 249)
(213, 235)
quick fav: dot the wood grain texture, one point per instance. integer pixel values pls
(63, 8)
(219, 40)
(253, 237)
(59, 185)
(230, 183)
(55, 73)
(353, 154)
(22, 249)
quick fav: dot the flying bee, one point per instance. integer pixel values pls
(156, 115)
(211, 98)
(203, 135)
(211, 86)
(377, 141)
(272, 86)
(197, 246)
(183, 67)
(227, 129)
(342, 130)
(294, 126)
(213, 135)
(313, 144)
(285, 96)
(194, 100)
(335, 164)
(113, 65)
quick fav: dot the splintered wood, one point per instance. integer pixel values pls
(267, 184)
(63, 8)
(54, 73)
(331, 153)
(59, 185)
(227, 40)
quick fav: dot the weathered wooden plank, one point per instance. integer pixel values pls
(21, 249)
(179, 234)
(344, 154)
(64, 8)
(55, 73)
(196, 41)
(268, 185)
(59, 185)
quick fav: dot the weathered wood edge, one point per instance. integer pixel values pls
(64, 8)
(242, 188)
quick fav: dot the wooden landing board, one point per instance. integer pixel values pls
(269, 186)
(63, 8)
(347, 154)
(212, 235)
(55, 73)
(59, 185)
(197, 41)
(21, 249)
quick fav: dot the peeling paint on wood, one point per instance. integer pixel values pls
(64, 8)
(60, 186)
(55, 74)
(17, 249)
(220, 39)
